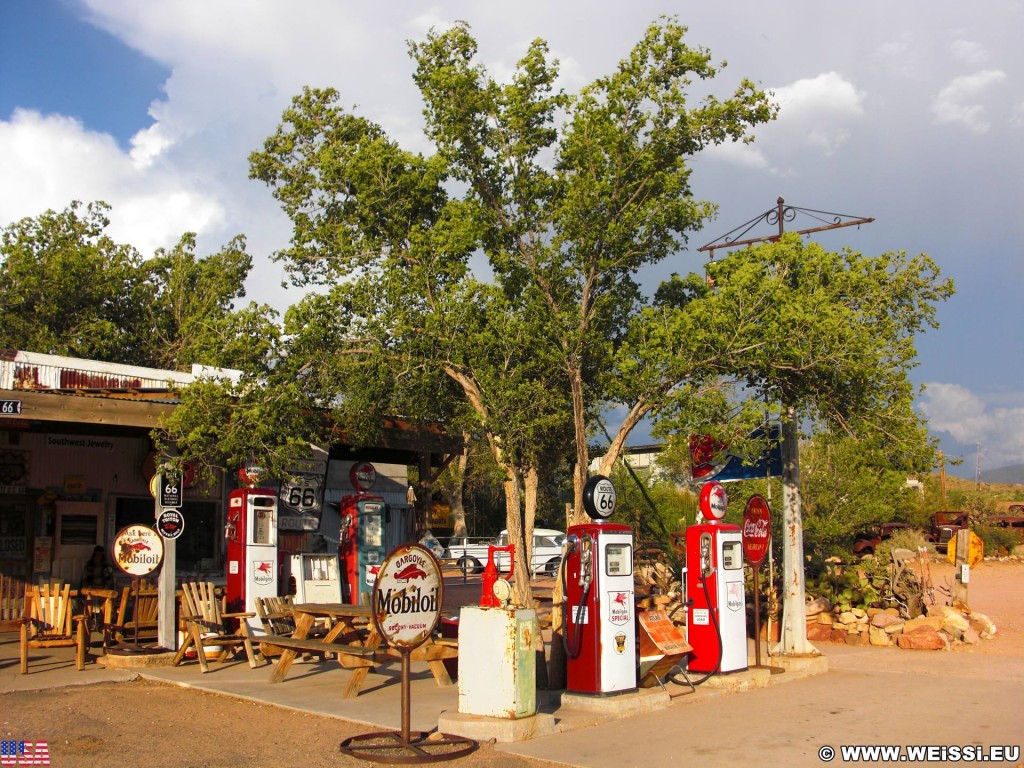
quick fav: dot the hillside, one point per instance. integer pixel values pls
(1012, 475)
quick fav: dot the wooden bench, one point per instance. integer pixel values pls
(362, 658)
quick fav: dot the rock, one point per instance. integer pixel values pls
(847, 617)
(892, 611)
(932, 622)
(878, 636)
(923, 639)
(816, 632)
(817, 605)
(860, 613)
(872, 612)
(839, 635)
(982, 624)
(855, 638)
(825, 618)
(954, 632)
(936, 610)
(947, 641)
(882, 620)
(971, 636)
(895, 629)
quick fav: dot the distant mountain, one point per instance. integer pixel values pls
(1012, 474)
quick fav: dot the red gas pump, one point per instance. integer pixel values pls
(251, 534)
(600, 631)
(716, 614)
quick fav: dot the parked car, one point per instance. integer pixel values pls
(867, 542)
(468, 552)
(547, 551)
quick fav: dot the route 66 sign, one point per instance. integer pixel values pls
(170, 490)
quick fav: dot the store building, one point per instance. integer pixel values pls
(76, 462)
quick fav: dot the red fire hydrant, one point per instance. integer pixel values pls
(487, 598)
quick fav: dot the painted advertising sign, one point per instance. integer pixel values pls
(138, 550)
(407, 596)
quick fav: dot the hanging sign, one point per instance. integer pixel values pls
(138, 550)
(407, 596)
(170, 523)
(757, 529)
(170, 490)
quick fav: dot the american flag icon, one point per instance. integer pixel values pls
(18, 753)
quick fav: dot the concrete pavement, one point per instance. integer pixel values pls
(868, 696)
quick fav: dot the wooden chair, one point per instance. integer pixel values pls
(276, 614)
(12, 603)
(49, 621)
(206, 626)
(143, 609)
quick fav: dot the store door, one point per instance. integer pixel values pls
(79, 529)
(15, 536)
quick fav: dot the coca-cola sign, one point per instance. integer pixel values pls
(757, 529)
(407, 596)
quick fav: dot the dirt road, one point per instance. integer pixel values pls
(870, 695)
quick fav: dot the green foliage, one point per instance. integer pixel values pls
(66, 288)
(997, 541)
(850, 486)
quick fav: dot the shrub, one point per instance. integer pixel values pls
(997, 541)
(906, 538)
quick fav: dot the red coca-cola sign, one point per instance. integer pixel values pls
(757, 529)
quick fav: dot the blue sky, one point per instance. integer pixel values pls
(911, 113)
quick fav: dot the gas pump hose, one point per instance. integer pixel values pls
(577, 644)
(673, 676)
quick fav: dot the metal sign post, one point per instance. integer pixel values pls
(407, 598)
(757, 534)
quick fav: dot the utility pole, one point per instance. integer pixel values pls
(793, 638)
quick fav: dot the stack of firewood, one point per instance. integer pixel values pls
(658, 587)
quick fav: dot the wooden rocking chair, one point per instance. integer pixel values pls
(206, 626)
(12, 603)
(50, 622)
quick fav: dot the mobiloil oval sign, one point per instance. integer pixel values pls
(138, 550)
(407, 596)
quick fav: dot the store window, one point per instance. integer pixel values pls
(197, 546)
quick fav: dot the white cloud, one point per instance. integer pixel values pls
(969, 52)
(56, 160)
(828, 95)
(955, 410)
(960, 100)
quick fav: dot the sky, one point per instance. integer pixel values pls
(911, 113)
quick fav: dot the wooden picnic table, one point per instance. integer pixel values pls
(354, 640)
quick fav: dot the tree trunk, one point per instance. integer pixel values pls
(456, 497)
(794, 610)
(522, 597)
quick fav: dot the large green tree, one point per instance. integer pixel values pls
(567, 197)
(833, 345)
(66, 288)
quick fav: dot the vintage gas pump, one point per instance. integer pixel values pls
(363, 518)
(716, 623)
(600, 631)
(251, 534)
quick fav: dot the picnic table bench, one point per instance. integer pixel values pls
(360, 655)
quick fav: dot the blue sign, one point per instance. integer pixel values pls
(769, 465)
